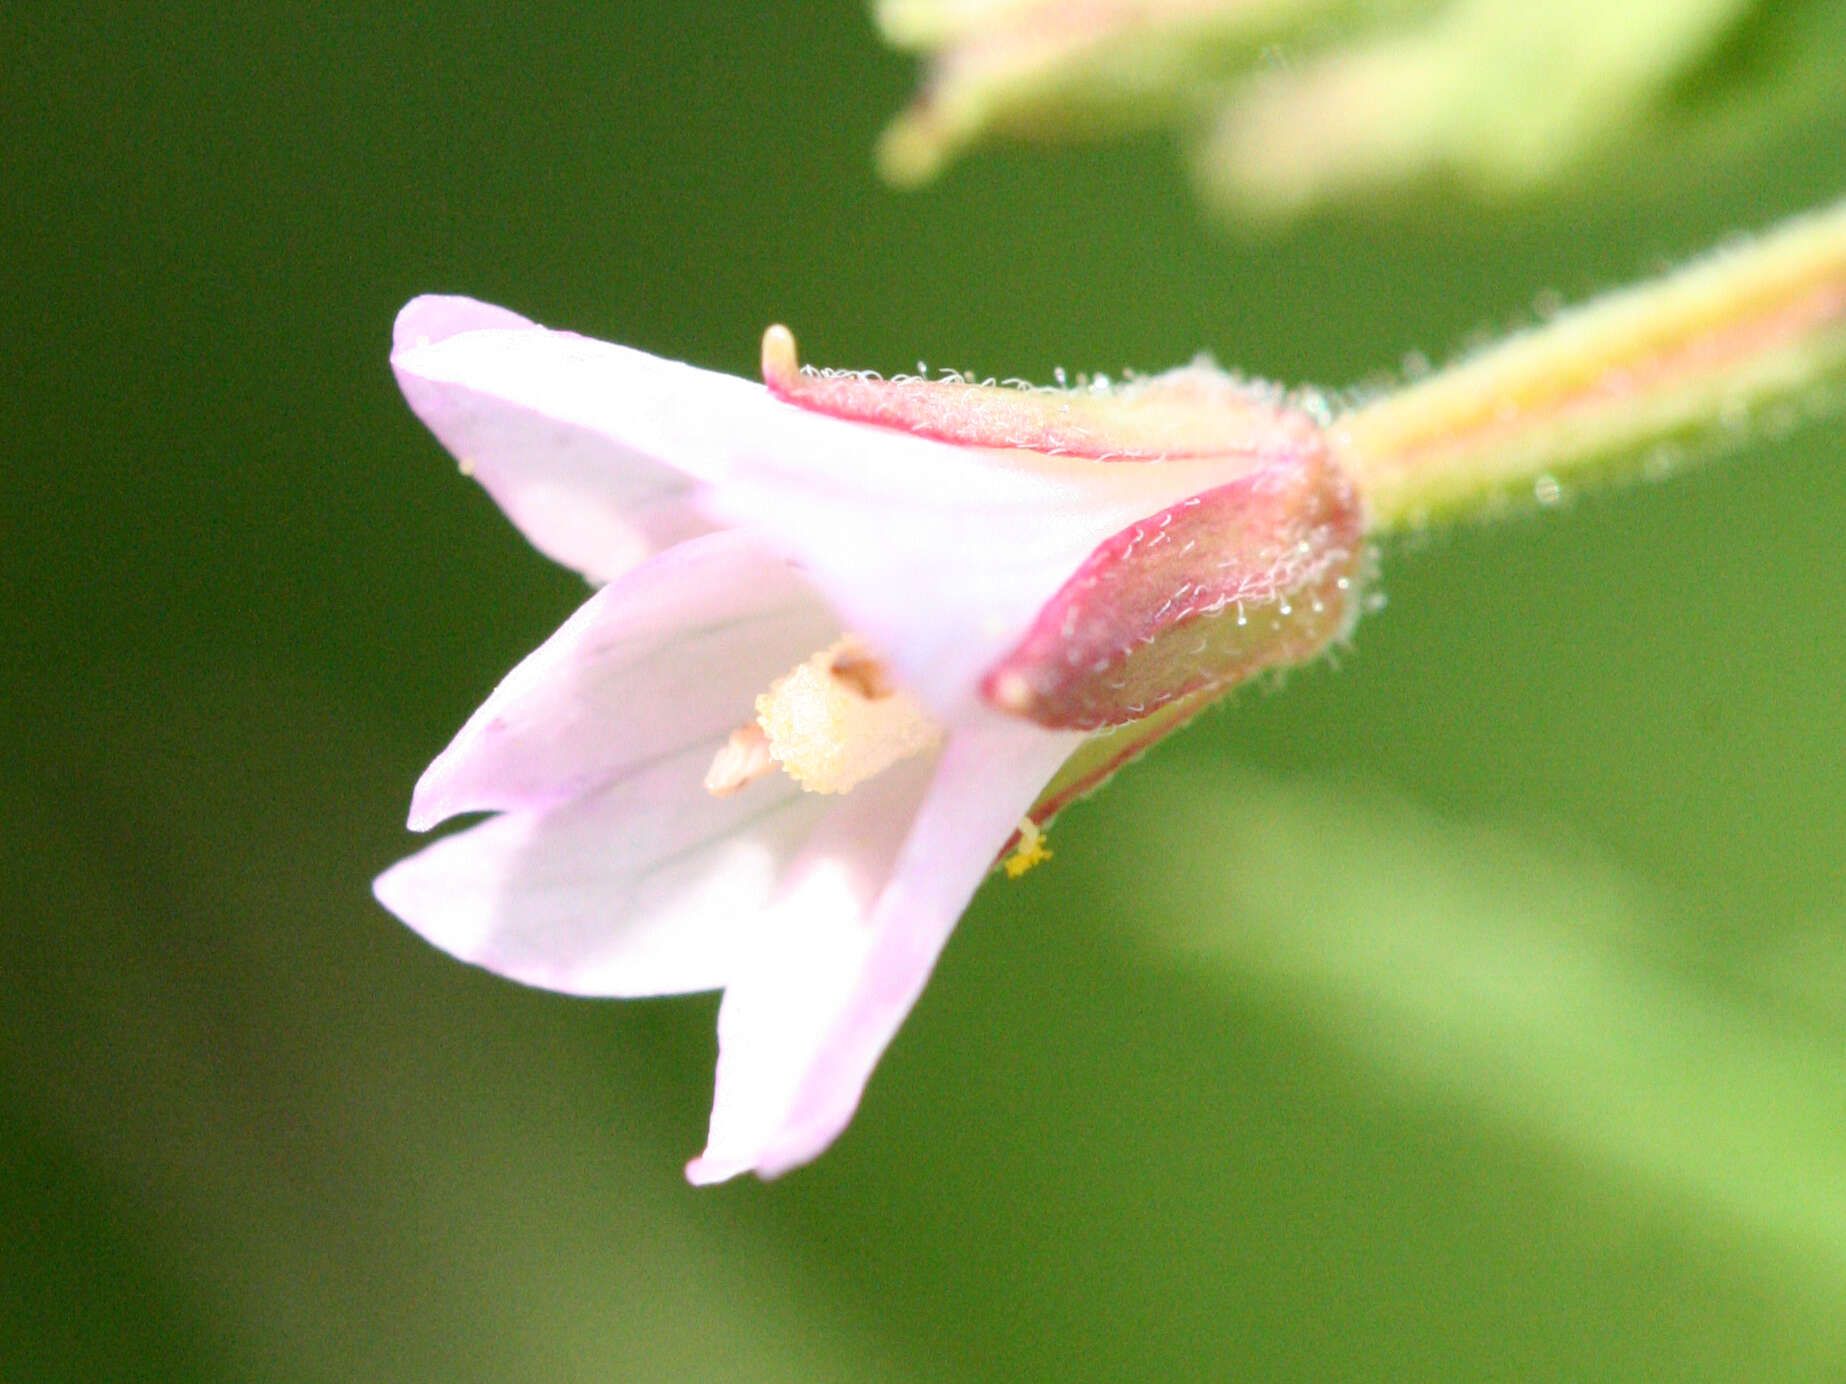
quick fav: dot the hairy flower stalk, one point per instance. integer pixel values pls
(1751, 336)
(856, 641)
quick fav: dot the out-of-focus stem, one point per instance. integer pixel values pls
(1625, 383)
(1046, 68)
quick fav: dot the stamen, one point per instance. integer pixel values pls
(838, 719)
(743, 760)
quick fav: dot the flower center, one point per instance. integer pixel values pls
(831, 723)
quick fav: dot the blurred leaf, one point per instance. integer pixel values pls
(1534, 983)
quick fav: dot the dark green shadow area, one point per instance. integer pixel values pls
(82, 1301)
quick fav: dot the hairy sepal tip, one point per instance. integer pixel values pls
(1262, 572)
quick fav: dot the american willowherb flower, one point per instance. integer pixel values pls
(858, 640)
(855, 642)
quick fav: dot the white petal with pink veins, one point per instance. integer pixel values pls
(580, 496)
(667, 655)
(838, 962)
(941, 588)
(647, 886)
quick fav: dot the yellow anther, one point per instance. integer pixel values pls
(1030, 851)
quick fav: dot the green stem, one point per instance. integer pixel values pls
(1625, 383)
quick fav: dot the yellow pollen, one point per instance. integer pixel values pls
(742, 760)
(1030, 851)
(837, 719)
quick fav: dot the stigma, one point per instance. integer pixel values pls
(832, 722)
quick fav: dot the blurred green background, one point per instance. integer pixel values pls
(1476, 1009)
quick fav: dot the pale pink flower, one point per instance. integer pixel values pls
(1030, 567)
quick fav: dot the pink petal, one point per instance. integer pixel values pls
(647, 886)
(436, 317)
(938, 554)
(580, 498)
(852, 938)
(943, 584)
(670, 654)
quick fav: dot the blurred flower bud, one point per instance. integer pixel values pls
(1047, 69)
(1290, 103)
(1498, 95)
